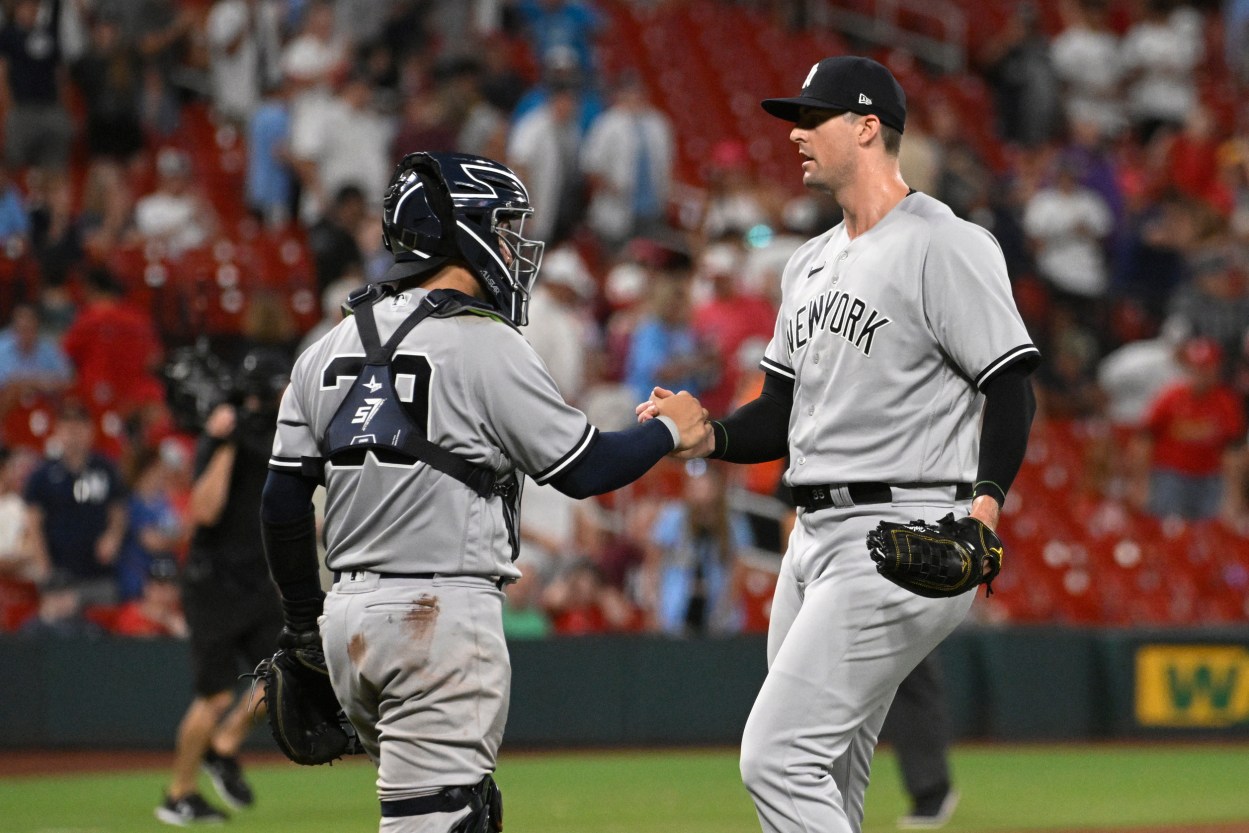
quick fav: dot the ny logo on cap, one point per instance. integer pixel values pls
(864, 99)
(810, 75)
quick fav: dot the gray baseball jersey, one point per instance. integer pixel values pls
(888, 337)
(485, 395)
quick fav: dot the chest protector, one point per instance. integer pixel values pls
(371, 418)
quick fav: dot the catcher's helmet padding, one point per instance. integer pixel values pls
(458, 208)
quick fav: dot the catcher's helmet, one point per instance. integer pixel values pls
(455, 207)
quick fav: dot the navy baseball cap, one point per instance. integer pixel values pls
(847, 82)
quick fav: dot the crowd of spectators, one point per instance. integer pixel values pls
(144, 137)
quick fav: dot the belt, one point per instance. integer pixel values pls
(499, 581)
(843, 495)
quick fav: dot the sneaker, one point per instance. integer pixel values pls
(188, 810)
(227, 778)
(930, 815)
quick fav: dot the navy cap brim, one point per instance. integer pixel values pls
(788, 108)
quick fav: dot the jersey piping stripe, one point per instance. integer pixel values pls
(568, 459)
(1007, 358)
(778, 369)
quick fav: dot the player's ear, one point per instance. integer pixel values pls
(867, 129)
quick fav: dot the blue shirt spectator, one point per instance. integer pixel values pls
(25, 356)
(555, 24)
(270, 181)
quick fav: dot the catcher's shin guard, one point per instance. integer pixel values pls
(483, 799)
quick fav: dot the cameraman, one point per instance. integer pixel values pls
(230, 602)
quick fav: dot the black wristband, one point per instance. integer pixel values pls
(988, 487)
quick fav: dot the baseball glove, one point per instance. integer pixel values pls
(938, 560)
(304, 716)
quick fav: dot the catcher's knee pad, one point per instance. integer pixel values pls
(483, 800)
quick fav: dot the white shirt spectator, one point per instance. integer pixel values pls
(612, 155)
(1067, 223)
(544, 148)
(244, 47)
(1086, 60)
(1161, 55)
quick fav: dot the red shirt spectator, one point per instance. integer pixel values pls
(115, 349)
(1193, 422)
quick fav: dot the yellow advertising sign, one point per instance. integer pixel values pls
(1192, 686)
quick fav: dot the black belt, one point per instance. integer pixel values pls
(499, 581)
(813, 498)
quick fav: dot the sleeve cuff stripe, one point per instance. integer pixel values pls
(285, 462)
(1006, 359)
(571, 457)
(779, 369)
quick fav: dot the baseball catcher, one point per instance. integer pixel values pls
(938, 560)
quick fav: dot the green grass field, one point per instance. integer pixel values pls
(1005, 788)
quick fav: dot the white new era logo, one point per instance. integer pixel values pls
(864, 99)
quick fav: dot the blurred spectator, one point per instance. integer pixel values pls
(1067, 223)
(1192, 165)
(1160, 55)
(270, 178)
(664, 349)
(14, 218)
(692, 556)
(76, 511)
(544, 149)
(107, 212)
(16, 558)
(1066, 384)
(1016, 62)
(523, 615)
(627, 159)
(1187, 434)
(177, 214)
(560, 71)
(332, 239)
(155, 531)
(38, 128)
(1132, 376)
(962, 179)
(1086, 59)
(60, 612)
(312, 61)
(727, 319)
(333, 297)
(351, 145)
(30, 361)
(481, 128)
(560, 327)
(124, 377)
(56, 236)
(1214, 301)
(570, 25)
(735, 200)
(109, 77)
(163, 31)
(1150, 257)
(244, 40)
(580, 601)
(424, 123)
(157, 610)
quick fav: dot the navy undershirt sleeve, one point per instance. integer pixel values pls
(289, 531)
(1008, 411)
(615, 459)
(759, 430)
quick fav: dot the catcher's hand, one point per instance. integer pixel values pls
(937, 560)
(304, 716)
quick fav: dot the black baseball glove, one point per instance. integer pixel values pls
(304, 716)
(938, 560)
